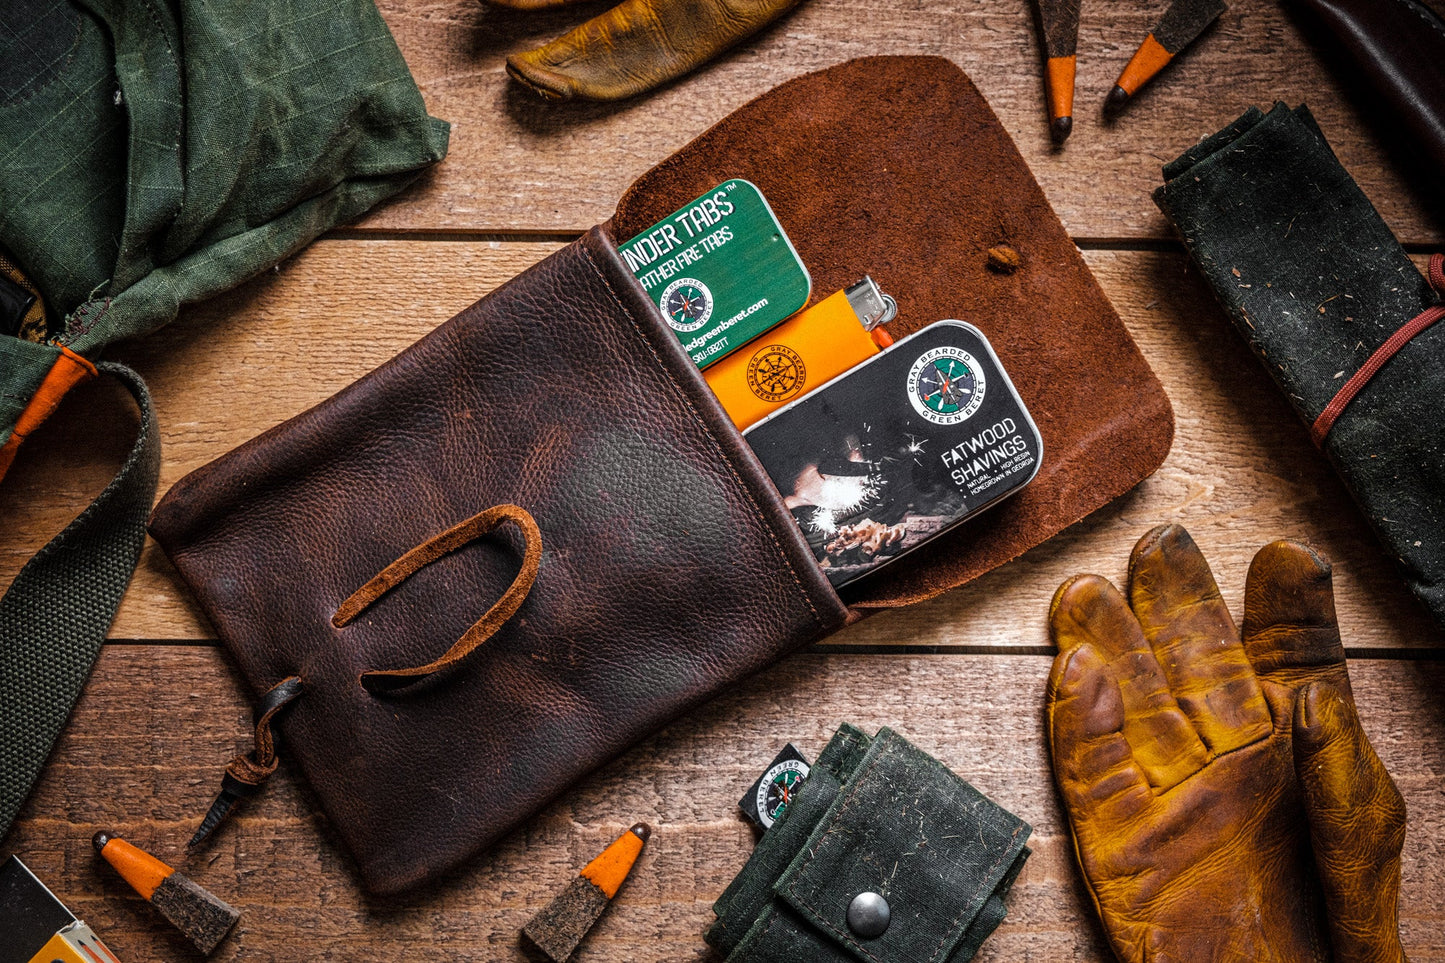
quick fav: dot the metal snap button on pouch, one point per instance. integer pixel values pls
(868, 915)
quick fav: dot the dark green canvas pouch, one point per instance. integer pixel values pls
(153, 154)
(1313, 280)
(876, 815)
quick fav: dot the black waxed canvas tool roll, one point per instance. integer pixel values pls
(1316, 283)
(876, 816)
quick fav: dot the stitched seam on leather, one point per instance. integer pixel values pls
(707, 433)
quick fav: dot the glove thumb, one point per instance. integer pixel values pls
(1357, 825)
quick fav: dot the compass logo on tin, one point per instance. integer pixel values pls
(687, 302)
(946, 385)
(776, 373)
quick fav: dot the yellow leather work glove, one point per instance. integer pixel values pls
(1206, 772)
(636, 46)
(1357, 826)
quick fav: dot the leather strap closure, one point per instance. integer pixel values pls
(1383, 353)
(248, 771)
(388, 680)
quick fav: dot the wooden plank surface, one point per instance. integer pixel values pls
(961, 675)
(1242, 471)
(281, 865)
(518, 165)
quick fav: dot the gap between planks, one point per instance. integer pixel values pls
(497, 236)
(1358, 653)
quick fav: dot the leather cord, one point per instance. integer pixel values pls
(255, 768)
(1383, 353)
(387, 680)
(246, 773)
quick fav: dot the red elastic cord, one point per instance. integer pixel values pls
(1383, 353)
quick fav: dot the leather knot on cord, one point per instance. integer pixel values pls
(387, 680)
(246, 773)
(1383, 353)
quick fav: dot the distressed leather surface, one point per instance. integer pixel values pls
(1357, 826)
(896, 167)
(1207, 771)
(669, 566)
(1398, 48)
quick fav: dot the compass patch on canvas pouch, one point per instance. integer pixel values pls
(766, 799)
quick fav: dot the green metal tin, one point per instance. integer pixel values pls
(720, 269)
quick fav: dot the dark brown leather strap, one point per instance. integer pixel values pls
(257, 766)
(248, 771)
(1383, 353)
(386, 680)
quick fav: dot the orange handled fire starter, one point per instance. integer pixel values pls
(204, 918)
(562, 924)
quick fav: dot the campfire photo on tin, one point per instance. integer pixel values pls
(899, 449)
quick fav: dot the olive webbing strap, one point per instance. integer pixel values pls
(56, 613)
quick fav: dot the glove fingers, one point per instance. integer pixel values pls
(1088, 611)
(1290, 632)
(639, 45)
(1093, 765)
(1357, 825)
(1188, 625)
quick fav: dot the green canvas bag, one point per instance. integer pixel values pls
(154, 153)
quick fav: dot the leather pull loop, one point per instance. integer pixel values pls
(248, 771)
(1383, 353)
(388, 680)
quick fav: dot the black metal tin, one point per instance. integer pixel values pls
(899, 449)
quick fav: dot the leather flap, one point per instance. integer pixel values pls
(896, 167)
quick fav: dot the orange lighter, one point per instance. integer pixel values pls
(804, 352)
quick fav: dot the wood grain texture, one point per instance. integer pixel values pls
(144, 751)
(519, 165)
(1241, 473)
(280, 863)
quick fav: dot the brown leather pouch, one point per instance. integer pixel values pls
(669, 567)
